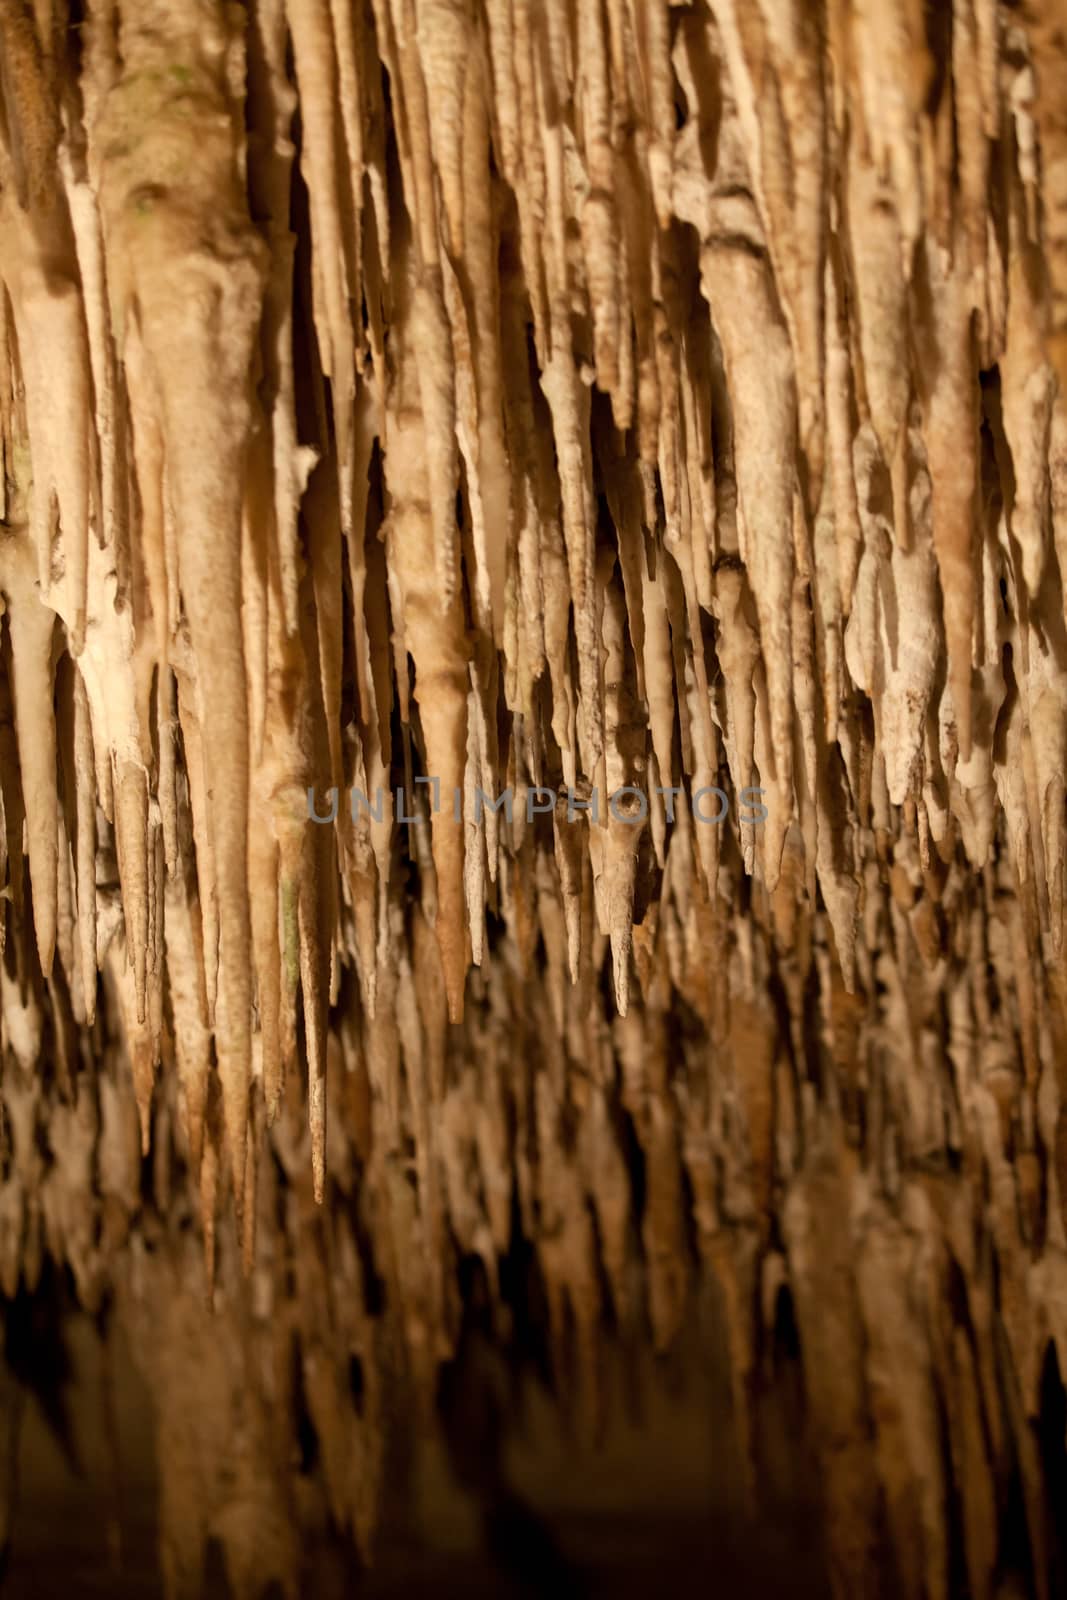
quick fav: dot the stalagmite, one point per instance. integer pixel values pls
(533, 717)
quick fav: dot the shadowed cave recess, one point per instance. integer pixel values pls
(442, 401)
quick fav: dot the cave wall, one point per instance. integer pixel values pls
(650, 412)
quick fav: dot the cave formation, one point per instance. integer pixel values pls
(533, 716)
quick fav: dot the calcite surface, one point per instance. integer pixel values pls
(533, 711)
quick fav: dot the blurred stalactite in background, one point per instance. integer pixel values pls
(547, 397)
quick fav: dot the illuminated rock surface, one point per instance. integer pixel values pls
(542, 398)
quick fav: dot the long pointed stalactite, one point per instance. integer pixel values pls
(606, 460)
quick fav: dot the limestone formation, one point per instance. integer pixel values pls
(551, 421)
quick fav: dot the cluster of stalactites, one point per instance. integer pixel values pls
(658, 396)
(654, 397)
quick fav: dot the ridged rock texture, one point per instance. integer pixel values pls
(554, 397)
